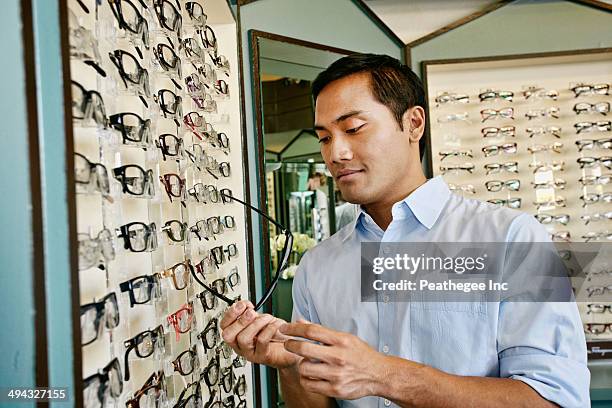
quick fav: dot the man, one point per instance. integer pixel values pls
(369, 118)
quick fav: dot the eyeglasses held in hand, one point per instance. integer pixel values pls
(543, 130)
(135, 180)
(152, 390)
(138, 236)
(563, 219)
(493, 168)
(94, 250)
(142, 289)
(134, 129)
(106, 382)
(144, 344)
(493, 150)
(513, 202)
(98, 315)
(284, 257)
(87, 105)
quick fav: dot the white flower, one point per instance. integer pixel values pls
(289, 272)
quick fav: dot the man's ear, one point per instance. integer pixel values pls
(414, 121)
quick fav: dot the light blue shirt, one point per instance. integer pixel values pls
(541, 344)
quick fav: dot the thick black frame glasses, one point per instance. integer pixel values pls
(170, 145)
(168, 16)
(187, 362)
(90, 176)
(175, 230)
(94, 314)
(210, 336)
(139, 76)
(138, 236)
(281, 265)
(169, 60)
(144, 344)
(87, 104)
(170, 104)
(133, 128)
(138, 27)
(142, 289)
(96, 385)
(135, 180)
(196, 13)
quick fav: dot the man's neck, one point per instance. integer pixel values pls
(381, 211)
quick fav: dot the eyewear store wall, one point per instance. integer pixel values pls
(180, 114)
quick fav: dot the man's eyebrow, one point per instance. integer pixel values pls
(340, 118)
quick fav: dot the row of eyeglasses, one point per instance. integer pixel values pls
(602, 108)
(529, 92)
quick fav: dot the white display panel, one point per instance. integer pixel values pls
(104, 143)
(541, 118)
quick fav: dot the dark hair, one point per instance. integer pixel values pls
(392, 83)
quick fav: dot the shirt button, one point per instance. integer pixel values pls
(385, 349)
(387, 402)
(386, 298)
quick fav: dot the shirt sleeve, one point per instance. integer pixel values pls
(302, 301)
(543, 343)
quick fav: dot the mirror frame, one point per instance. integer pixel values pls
(254, 37)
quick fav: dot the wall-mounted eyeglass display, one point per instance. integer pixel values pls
(94, 251)
(98, 315)
(135, 180)
(107, 382)
(143, 344)
(142, 289)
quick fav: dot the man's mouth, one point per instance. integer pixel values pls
(347, 174)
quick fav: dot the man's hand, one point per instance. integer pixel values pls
(342, 366)
(255, 336)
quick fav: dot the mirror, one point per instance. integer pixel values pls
(297, 189)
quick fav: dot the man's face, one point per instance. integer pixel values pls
(361, 142)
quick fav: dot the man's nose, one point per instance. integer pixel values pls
(341, 149)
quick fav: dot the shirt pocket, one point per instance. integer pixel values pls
(454, 337)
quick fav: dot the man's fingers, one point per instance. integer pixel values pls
(311, 370)
(317, 386)
(311, 331)
(230, 332)
(234, 312)
(310, 350)
(246, 338)
(265, 335)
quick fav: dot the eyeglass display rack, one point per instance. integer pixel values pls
(150, 35)
(532, 132)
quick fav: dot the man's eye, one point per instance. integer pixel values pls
(355, 129)
(324, 139)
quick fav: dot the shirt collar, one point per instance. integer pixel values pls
(426, 203)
